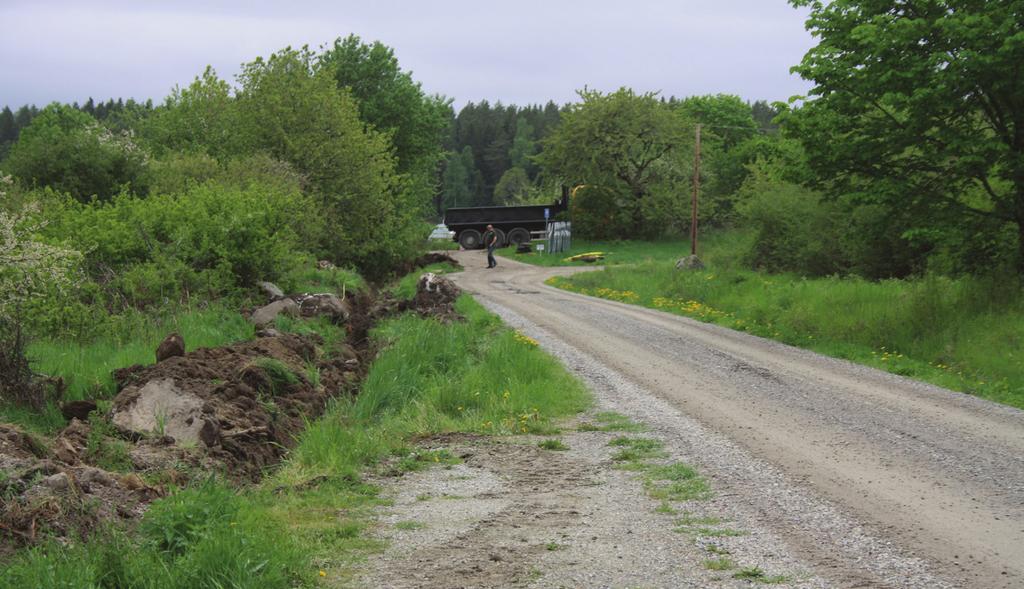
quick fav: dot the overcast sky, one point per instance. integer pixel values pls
(526, 51)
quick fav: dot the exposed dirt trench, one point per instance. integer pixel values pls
(234, 411)
(868, 478)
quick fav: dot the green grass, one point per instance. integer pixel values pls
(307, 520)
(609, 421)
(675, 482)
(86, 367)
(410, 525)
(719, 564)
(636, 449)
(965, 334)
(313, 280)
(553, 444)
(333, 335)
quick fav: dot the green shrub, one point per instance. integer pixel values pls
(209, 241)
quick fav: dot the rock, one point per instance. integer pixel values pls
(161, 407)
(79, 410)
(209, 433)
(59, 482)
(65, 451)
(95, 476)
(173, 345)
(266, 314)
(272, 291)
(269, 332)
(689, 263)
(325, 265)
(325, 304)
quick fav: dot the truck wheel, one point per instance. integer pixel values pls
(470, 239)
(518, 236)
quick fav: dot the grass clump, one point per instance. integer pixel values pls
(333, 335)
(409, 525)
(609, 421)
(636, 449)
(280, 377)
(675, 482)
(719, 564)
(553, 444)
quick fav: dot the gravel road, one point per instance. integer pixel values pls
(870, 479)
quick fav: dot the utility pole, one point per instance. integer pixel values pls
(696, 190)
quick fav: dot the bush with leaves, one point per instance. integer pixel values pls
(70, 151)
(213, 240)
(28, 267)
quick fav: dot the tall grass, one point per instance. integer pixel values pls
(86, 367)
(471, 376)
(966, 334)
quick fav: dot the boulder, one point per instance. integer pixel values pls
(160, 407)
(268, 332)
(272, 291)
(266, 314)
(79, 410)
(689, 263)
(325, 265)
(173, 345)
(328, 304)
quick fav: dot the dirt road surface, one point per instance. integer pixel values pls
(870, 479)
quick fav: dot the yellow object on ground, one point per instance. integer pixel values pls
(587, 257)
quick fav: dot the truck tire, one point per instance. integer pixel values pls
(518, 236)
(470, 239)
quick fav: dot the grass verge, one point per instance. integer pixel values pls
(964, 334)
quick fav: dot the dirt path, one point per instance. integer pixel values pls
(869, 478)
(515, 515)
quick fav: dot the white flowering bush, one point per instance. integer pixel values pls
(28, 267)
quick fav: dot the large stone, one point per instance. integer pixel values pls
(173, 345)
(77, 410)
(265, 315)
(328, 304)
(272, 291)
(160, 407)
(689, 263)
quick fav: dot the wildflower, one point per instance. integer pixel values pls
(323, 573)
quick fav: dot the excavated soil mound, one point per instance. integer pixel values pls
(435, 297)
(40, 495)
(243, 404)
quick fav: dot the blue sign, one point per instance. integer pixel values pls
(547, 214)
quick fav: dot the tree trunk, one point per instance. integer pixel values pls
(1020, 248)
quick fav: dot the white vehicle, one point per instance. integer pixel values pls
(441, 232)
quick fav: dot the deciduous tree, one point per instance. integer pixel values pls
(918, 105)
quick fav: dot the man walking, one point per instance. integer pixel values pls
(491, 241)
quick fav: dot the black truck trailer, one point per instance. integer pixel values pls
(513, 225)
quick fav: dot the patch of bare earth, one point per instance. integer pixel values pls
(512, 514)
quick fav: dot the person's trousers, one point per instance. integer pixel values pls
(491, 262)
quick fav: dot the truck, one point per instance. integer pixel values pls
(514, 225)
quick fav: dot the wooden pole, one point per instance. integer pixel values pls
(696, 190)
